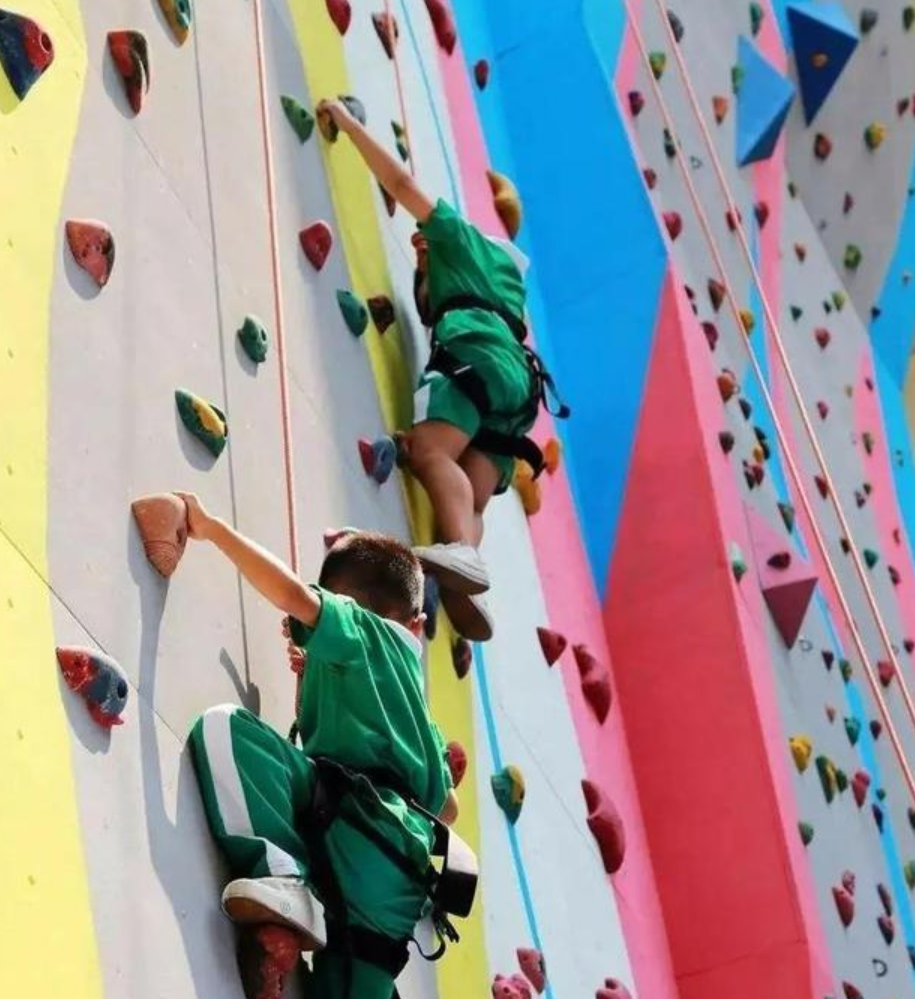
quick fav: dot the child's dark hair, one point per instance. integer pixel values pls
(380, 573)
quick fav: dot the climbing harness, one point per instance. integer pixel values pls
(450, 890)
(543, 387)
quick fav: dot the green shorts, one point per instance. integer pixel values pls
(439, 398)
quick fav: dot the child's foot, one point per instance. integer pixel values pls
(456, 566)
(284, 901)
(468, 615)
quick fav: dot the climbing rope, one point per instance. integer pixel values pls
(401, 96)
(285, 418)
(781, 434)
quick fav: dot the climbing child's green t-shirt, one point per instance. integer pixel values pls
(363, 703)
(462, 261)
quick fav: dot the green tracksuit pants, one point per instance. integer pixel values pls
(256, 788)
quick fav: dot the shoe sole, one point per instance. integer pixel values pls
(455, 579)
(466, 619)
(248, 912)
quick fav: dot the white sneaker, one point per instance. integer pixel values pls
(456, 566)
(284, 901)
(468, 614)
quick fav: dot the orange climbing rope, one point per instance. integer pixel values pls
(779, 430)
(401, 96)
(285, 417)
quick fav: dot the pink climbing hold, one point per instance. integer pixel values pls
(531, 963)
(92, 246)
(886, 671)
(613, 989)
(340, 13)
(442, 24)
(552, 643)
(606, 827)
(673, 223)
(510, 987)
(595, 682)
(317, 240)
(457, 762)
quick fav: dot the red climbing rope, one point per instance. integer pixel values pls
(401, 97)
(285, 418)
(779, 430)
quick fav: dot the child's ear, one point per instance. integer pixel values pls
(415, 627)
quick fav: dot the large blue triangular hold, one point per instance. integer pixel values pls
(763, 102)
(823, 38)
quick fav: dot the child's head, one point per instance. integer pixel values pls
(379, 573)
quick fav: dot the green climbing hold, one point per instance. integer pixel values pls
(881, 793)
(806, 831)
(355, 314)
(254, 339)
(737, 75)
(853, 256)
(852, 730)
(841, 781)
(676, 26)
(827, 771)
(796, 312)
(204, 420)
(508, 790)
(658, 62)
(792, 189)
(908, 871)
(670, 147)
(845, 669)
(302, 120)
(400, 137)
(757, 15)
(838, 300)
(868, 22)
(871, 558)
(788, 515)
(738, 562)
(908, 17)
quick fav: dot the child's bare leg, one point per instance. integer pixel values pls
(434, 450)
(484, 478)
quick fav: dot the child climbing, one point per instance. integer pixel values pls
(332, 842)
(481, 390)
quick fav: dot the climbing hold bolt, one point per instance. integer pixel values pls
(354, 312)
(98, 679)
(26, 51)
(801, 750)
(130, 55)
(822, 146)
(388, 31)
(595, 682)
(92, 246)
(442, 24)
(204, 420)
(606, 827)
(720, 106)
(179, 15)
(507, 202)
(254, 340)
(481, 73)
(457, 762)
(508, 790)
(552, 644)
(162, 522)
(340, 13)
(658, 63)
(301, 120)
(381, 309)
(853, 257)
(533, 966)
(379, 458)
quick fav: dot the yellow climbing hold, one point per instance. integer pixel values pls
(507, 202)
(801, 750)
(874, 135)
(528, 488)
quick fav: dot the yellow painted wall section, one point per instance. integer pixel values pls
(47, 947)
(465, 970)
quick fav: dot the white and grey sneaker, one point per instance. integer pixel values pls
(469, 615)
(284, 901)
(456, 566)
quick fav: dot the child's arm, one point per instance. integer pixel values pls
(389, 173)
(267, 574)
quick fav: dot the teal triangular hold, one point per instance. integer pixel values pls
(823, 38)
(762, 105)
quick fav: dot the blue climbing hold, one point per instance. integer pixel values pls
(26, 51)
(379, 457)
(823, 38)
(763, 104)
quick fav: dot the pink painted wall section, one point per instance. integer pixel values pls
(705, 668)
(574, 610)
(629, 60)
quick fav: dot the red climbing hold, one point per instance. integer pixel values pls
(726, 440)
(822, 409)
(720, 106)
(606, 827)
(822, 147)
(859, 787)
(651, 178)
(822, 485)
(886, 900)
(552, 643)
(162, 522)
(886, 671)
(340, 13)
(845, 906)
(761, 211)
(92, 246)
(613, 989)
(317, 241)
(442, 24)
(711, 334)
(531, 963)
(266, 956)
(481, 73)
(734, 218)
(381, 309)
(98, 679)
(800, 251)
(887, 929)
(457, 762)
(636, 103)
(716, 293)
(130, 55)
(822, 337)
(673, 223)
(387, 30)
(848, 879)
(26, 51)
(461, 657)
(595, 682)
(851, 992)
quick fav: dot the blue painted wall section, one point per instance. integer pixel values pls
(599, 262)
(820, 31)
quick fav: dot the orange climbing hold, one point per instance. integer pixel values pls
(720, 106)
(606, 827)
(528, 488)
(316, 241)
(442, 24)
(727, 384)
(595, 682)
(162, 522)
(552, 643)
(507, 202)
(130, 55)
(457, 762)
(92, 246)
(341, 14)
(822, 147)
(552, 455)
